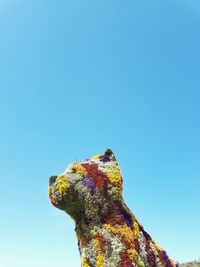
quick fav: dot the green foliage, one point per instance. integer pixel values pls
(190, 264)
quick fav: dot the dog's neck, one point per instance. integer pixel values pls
(117, 240)
(115, 213)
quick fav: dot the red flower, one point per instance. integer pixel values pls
(99, 177)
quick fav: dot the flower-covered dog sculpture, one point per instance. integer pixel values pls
(108, 233)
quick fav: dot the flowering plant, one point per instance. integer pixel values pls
(108, 233)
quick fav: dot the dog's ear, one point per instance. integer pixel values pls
(110, 154)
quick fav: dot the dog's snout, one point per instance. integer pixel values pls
(52, 179)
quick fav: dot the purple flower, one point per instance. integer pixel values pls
(166, 259)
(104, 158)
(89, 183)
(127, 218)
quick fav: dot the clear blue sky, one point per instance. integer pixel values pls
(79, 76)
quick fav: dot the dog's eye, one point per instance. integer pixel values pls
(73, 170)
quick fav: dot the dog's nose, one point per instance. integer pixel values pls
(52, 179)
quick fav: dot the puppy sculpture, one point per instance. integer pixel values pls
(108, 233)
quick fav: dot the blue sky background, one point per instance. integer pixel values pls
(77, 77)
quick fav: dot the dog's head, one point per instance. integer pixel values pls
(88, 188)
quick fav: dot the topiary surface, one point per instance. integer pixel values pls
(108, 233)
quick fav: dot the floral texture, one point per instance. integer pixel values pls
(108, 233)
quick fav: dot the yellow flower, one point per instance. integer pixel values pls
(121, 230)
(100, 257)
(100, 260)
(153, 248)
(79, 169)
(132, 254)
(96, 244)
(50, 195)
(49, 192)
(96, 157)
(62, 184)
(84, 263)
(136, 229)
(114, 176)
